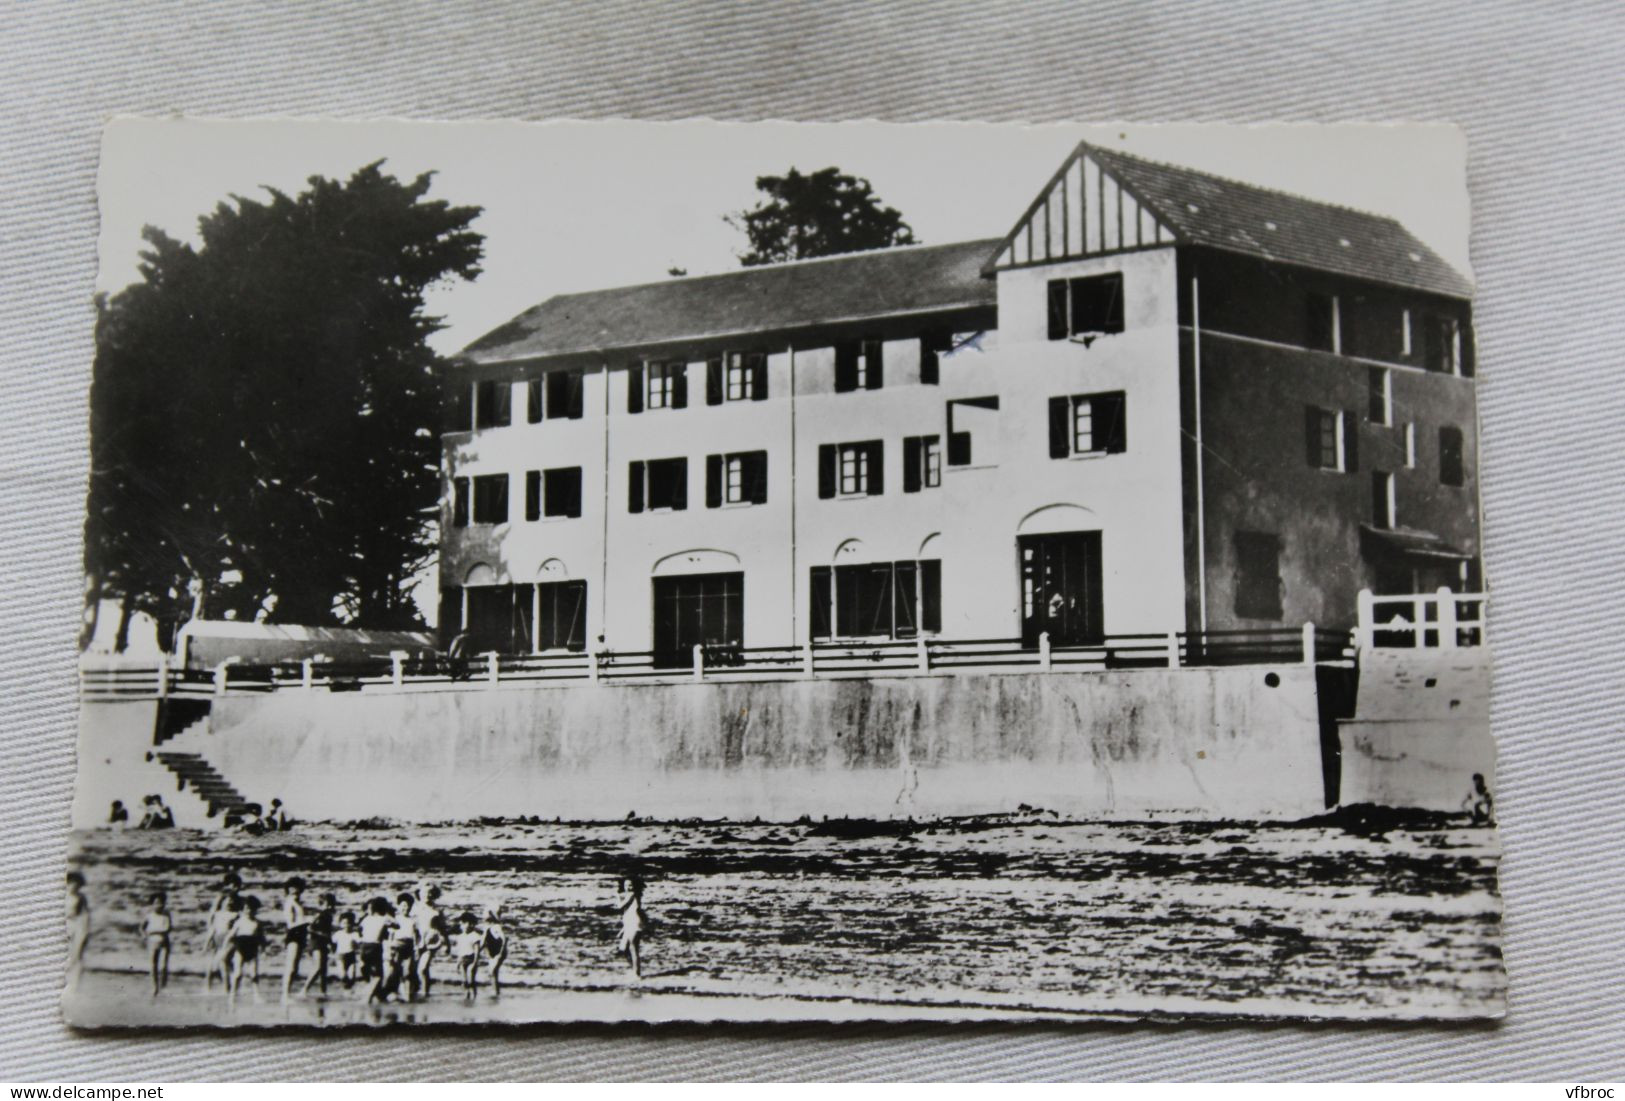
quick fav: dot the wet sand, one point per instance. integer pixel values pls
(788, 922)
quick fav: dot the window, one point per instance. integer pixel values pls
(736, 376)
(561, 615)
(1452, 470)
(1321, 316)
(859, 365)
(658, 484)
(1410, 444)
(704, 609)
(562, 491)
(493, 403)
(932, 347)
(877, 600)
(851, 469)
(1087, 305)
(737, 479)
(922, 463)
(962, 413)
(459, 503)
(1258, 575)
(1440, 344)
(1380, 389)
(1382, 499)
(563, 394)
(491, 499)
(1087, 424)
(657, 386)
(1331, 446)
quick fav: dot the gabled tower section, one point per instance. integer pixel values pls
(1084, 210)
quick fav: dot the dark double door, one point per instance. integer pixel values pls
(705, 609)
(519, 619)
(1061, 588)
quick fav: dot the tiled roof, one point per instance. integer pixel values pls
(1214, 212)
(780, 297)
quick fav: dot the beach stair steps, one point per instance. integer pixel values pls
(194, 772)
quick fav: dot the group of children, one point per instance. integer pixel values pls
(391, 948)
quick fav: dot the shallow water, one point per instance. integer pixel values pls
(1085, 917)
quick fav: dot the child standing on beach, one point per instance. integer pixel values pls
(155, 930)
(402, 949)
(217, 928)
(78, 927)
(431, 931)
(494, 942)
(375, 927)
(629, 893)
(465, 950)
(346, 948)
(298, 934)
(247, 938)
(320, 943)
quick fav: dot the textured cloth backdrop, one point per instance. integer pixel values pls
(1535, 86)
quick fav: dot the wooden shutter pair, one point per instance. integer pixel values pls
(829, 461)
(533, 495)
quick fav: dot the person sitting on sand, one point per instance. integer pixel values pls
(249, 819)
(155, 930)
(629, 893)
(375, 927)
(277, 817)
(247, 938)
(494, 943)
(78, 927)
(298, 935)
(1479, 802)
(118, 816)
(347, 949)
(465, 950)
(156, 816)
(320, 944)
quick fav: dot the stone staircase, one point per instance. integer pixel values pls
(199, 775)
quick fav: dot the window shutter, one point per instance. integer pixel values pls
(1351, 441)
(931, 347)
(931, 594)
(959, 449)
(577, 385)
(679, 489)
(821, 594)
(459, 503)
(905, 606)
(1060, 428)
(875, 358)
(1311, 427)
(713, 481)
(634, 389)
(502, 405)
(450, 622)
(533, 494)
(459, 408)
(679, 385)
(877, 468)
(1116, 410)
(533, 400)
(846, 366)
(1057, 309)
(911, 464)
(499, 499)
(827, 459)
(713, 381)
(756, 477)
(758, 379)
(634, 493)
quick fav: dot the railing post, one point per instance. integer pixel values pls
(1043, 651)
(924, 653)
(397, 662)
(492, 668)
(807, 658)
(163, 675)
(307, 674)
(220, 677)
(1447, 618)
(593, 656)
(1309, 644)
(1367, 618)
(1173, 649)
(699, 662)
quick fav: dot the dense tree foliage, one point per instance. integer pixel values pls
(264, 408)
(823, 214)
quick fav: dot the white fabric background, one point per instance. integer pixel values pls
(1535, 86)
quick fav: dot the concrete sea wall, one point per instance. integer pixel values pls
(1200, 743)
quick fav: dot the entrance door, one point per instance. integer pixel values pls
(1061, 588)
(707, 609)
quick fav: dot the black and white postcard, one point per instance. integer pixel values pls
(690, 571)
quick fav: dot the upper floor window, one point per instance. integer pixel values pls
(737, 479)
(1441, 344)
(1323, 323)
(1258, 575)
(852, 469)
(1380, 390)
(555, 395)
(493, 403)
(489, 493)
(859, 365)
(657, 386)
(922, 463)
(658, 484)
(1085, 305)
(1331, 445)
(736, 376)
(1452, 468)
(1088, 424)
(965, 415)
(933, 346)
(553, 493)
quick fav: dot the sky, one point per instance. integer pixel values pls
(574, 206)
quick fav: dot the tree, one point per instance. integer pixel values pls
(265, 410)
(823, 214)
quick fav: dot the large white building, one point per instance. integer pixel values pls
(1146, 409)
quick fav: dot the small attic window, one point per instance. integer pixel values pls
(1270, 225)
(1416, 257)
(1193, 208)
(1344, 241)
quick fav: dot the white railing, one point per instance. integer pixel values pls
(1440, 620)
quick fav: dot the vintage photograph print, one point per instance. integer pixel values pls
(765, 572)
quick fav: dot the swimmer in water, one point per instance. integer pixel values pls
(78, 927)
(155, 930)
